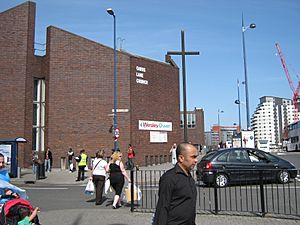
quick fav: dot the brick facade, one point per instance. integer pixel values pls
(79, 92)
(196, 133)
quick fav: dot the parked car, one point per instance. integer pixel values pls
(237, 165)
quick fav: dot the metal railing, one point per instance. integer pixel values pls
(259, 197)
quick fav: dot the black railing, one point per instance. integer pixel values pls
(258, 197)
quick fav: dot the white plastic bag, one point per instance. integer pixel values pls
(107, 186)
(137, 193)
(90, 188)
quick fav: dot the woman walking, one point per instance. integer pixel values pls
(98, 175)
(117, 174)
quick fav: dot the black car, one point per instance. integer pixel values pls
(236, 165)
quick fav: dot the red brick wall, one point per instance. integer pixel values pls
(196, 134)
(80, 94)
(157, 101)
(79, 91)
(16, 59)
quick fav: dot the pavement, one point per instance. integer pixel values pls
(123, 216)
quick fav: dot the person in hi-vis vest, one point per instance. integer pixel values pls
(82, 162)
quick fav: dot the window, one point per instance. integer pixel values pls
(223, 157)
(190, 120)
(256, 156)
(238, 156)
(38, 120)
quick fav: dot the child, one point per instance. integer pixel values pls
(26, 217)
(7, 195)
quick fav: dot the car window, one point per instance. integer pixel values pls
(238, 156)
(271, 158)
(223, 157)
(256, 156)
(209, 155)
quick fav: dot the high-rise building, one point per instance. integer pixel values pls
(270, 118)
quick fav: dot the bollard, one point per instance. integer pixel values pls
(63, 163)
(19, 173)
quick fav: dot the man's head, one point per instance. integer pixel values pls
(2, 164)
(174, 145)
(186, 156)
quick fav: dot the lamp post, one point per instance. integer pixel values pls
(252, 25)
(219, 130)
(111, 12)
(238, 102)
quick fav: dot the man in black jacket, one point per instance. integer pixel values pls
(177, 191)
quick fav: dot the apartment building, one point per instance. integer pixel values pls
(270, 118)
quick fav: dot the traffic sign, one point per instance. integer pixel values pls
(117, 133)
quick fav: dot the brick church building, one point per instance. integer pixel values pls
(65, 98)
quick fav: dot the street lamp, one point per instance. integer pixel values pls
(252, 25)
(238, 102)
(219, 130)
(111, 12)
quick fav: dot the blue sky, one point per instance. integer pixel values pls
(151, 28)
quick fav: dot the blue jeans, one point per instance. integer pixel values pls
(47, 165)
(34, 167)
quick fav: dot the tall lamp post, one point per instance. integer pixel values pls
(252, 25)
(238, 102)
(219, 130)
(111, 12)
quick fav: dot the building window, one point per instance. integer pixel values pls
(38, 123)
(190, 119)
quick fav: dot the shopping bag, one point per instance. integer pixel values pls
(90, 188)
(137, 193)
(107, 186)
(71, 167)
(86, 168)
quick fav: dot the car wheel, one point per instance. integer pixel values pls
(221, 180)
(284, 177)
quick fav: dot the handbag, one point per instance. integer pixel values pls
(90, 188)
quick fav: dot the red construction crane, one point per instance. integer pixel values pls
(295, 91)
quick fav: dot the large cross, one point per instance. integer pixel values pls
(183, 53)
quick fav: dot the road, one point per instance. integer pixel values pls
(293, 157)
(59, 197)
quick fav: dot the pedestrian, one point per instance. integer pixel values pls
(82, 163)
(98, 174)
(48, 160)
(177, 191)
(130, 157)
(117, 173)
(173, 152)
(3, 170)
(70, 160)
(35, 159)
(26, 216)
